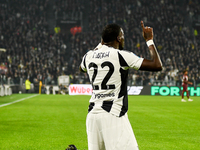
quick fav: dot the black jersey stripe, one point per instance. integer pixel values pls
(123, 91)
(84, 63)
(122, 61)
(91, 107)
(124, 76)
(123, 88)
(107, 105)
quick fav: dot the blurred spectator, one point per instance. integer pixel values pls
(65, 89)
(27, 85)
(60, 91)
(43, 89)
(36, 85)
(51, 89)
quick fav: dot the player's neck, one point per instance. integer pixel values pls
(113, 44)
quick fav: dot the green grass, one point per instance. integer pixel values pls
(52, 122)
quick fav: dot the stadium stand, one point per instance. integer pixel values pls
(35, 51)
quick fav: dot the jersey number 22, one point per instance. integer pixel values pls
(104, 85)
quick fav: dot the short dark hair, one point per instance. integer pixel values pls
(110, 32)
(184, 71)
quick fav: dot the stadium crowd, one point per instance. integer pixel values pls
(177, 45)
(68, 9)
(34, 52)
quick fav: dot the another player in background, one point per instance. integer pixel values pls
(107, 123)
(185, 83)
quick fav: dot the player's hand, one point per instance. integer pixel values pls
(147, 32)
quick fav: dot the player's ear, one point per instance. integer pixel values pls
(119, 39)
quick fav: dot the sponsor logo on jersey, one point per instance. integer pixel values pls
(104, 95)
(101, 55)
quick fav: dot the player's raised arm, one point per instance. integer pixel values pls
(154, 64)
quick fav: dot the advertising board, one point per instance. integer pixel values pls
(86, 89)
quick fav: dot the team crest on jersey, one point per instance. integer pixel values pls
(101, 55)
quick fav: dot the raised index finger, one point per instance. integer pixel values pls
(142, 24)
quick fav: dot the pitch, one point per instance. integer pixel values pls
(54, 121)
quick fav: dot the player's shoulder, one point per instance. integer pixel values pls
(102, 49)
(185, 77)
(88, 53)
(116, 52)
(127, 53)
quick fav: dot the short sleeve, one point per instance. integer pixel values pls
(131, 60)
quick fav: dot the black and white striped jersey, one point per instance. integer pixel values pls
(107, 69)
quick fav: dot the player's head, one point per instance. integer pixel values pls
(185, 72)
(112, 33)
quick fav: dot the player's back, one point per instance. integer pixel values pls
(103, 68)
(107, 68)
